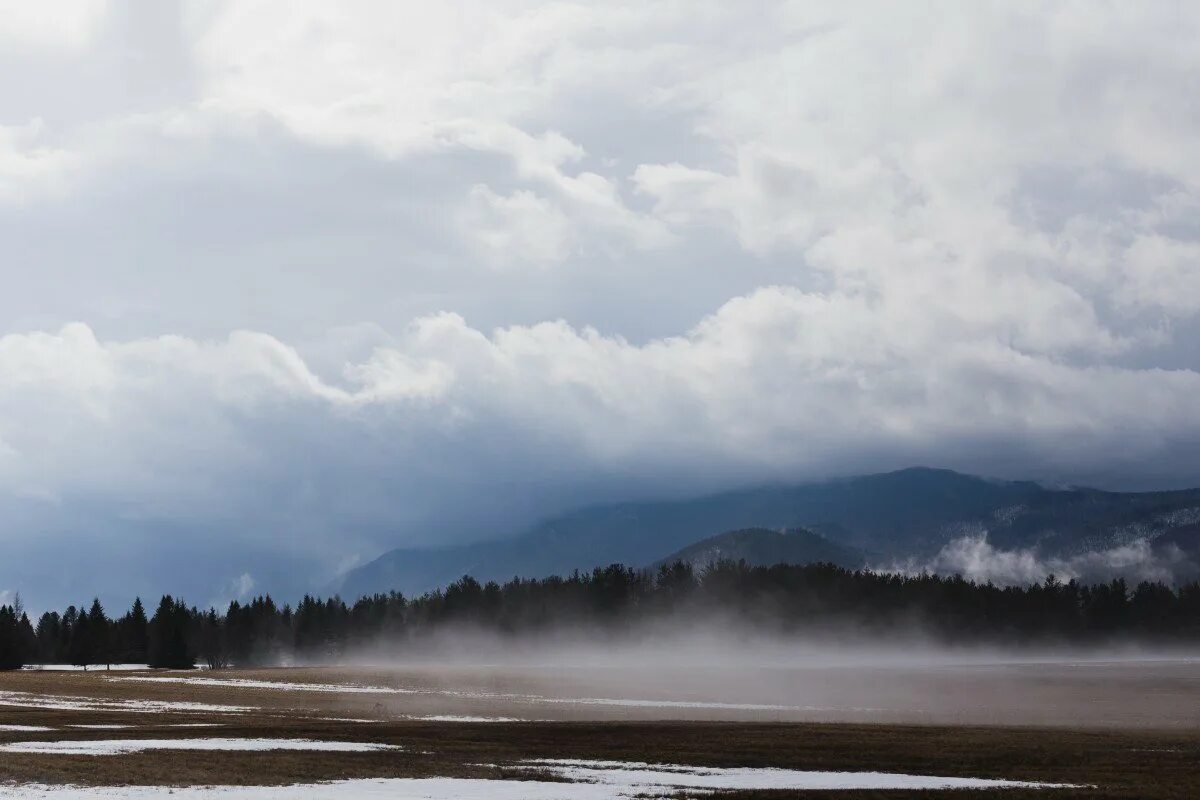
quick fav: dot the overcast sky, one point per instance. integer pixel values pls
(286, 284)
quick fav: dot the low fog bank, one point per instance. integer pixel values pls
(728, 674)
(976, 559)
(788, 609)
(727, 644)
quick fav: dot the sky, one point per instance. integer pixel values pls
(287, 284)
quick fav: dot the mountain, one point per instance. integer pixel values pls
(905, 514)
(761, 547)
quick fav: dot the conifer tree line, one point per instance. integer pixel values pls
(781, 599)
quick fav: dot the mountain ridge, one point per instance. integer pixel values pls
(908, 513)
(763, 547)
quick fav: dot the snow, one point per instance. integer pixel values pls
(112, 747)
(249, 683)
(668, 777)
(461, 718)
(70, 703)
(368, 789)
(617, 701)
(89, 668)
(25, 728)
(101, 727)
(606, 780)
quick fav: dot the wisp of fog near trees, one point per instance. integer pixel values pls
(781, 600)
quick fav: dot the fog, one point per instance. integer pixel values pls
(732, 675)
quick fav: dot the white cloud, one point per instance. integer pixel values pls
(974, 558)
(27, 164)
(516, 230)
(695, 245)
(39, 25)
(779, 379)
(240, 588)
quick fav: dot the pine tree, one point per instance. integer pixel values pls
(10, 640)
(62, 650)
(210, 640)
(79, 647)
(168, 639)
(49, 634)
(135, 634)
(100, 634)
(28, 640)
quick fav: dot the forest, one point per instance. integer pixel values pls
(778, 600)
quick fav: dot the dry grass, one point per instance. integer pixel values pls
(1119, 763)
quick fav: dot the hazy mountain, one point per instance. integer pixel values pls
(764, 547)
(905, 514)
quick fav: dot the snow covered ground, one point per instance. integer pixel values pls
(464, 718)
(597, 780)
(25, 728)
(101, 727)
(287, 686)
(90, 668)
(666, 777)
(70, 703)
(112, 747)
(345, 688)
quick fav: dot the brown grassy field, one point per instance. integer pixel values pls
(1119, 760)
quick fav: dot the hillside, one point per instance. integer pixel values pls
(760, 547)
(904, 514)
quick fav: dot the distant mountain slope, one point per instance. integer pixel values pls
(760, 547)
(910, 513)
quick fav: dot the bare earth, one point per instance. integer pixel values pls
(1124, 728)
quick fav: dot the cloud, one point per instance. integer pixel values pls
(975, 559)
(776, 382)
(356, 277)
(27, 164)
(32, 25)
(520, 229)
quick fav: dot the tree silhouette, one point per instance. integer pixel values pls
(79, 647)
(168, 636)
(100, 634)
(11, 645)
(133, 634)
(782, 599)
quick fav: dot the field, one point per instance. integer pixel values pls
(1109, 728)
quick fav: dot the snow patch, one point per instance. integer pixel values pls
(25, 728)
(605, 780)
(641, 777)
(100, 727)
(89, 668)
(72, 703)
(461, 718)
(112, 747)
(249, 683)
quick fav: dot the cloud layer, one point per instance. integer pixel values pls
(975, 559)
(339, 279)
